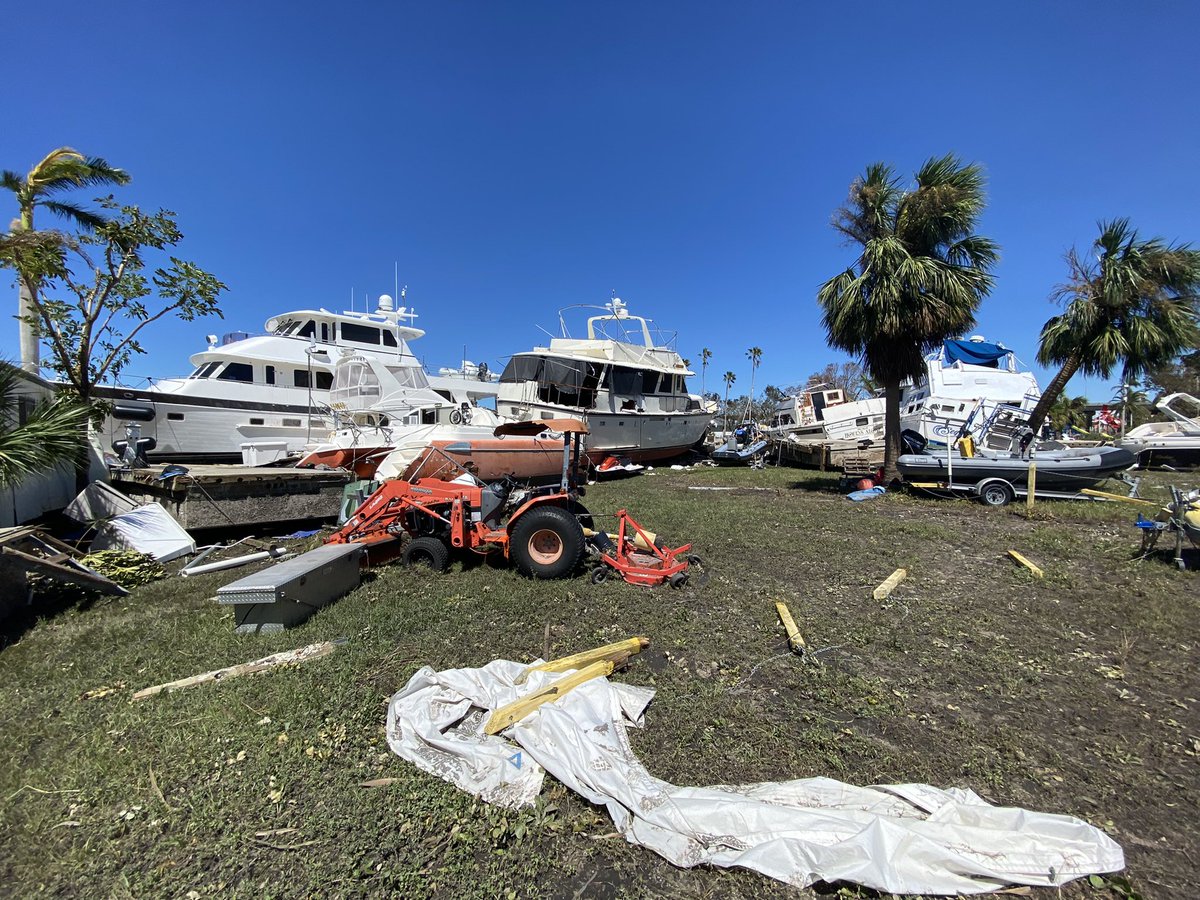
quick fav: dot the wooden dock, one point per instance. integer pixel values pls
(214, 496)
(829, 456)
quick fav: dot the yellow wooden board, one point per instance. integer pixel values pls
(517, 710)
(889, 584)
(1026, 563)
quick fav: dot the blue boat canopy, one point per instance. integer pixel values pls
(973, 353)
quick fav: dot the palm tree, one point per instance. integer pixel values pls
(730, 378)
(1068, 412)
(920, 276)
(705, 356)
(49, 434)
(1133, 305)
(754, 354)
(62, 170)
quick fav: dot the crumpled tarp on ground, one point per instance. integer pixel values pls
(907, 838)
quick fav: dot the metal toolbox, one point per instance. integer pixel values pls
(290, 591)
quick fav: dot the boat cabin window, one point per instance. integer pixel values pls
(322, 381)
(360, 334)
(308, 330)
(626, 381)
(294, 423)
(565, 382)
(237, 372)
(521, 368)
(270, 374)
(325, 332)
(862, 420)
(205, 370)
(389, 339)
(254, 421)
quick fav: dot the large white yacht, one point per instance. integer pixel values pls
(962, 380)
(631, 390)
(270, 389)
(822, 414)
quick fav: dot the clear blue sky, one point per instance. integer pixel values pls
(514, 158)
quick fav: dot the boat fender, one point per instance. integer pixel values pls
(125, 412)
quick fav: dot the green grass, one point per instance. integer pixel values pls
(1075, 693)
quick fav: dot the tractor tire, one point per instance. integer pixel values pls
(582, 516)
(547, 542)
(426, 551)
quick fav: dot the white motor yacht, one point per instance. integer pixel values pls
(823, 414)
(631, 390)
(268, 390)
(958, 378)
(1174, 442)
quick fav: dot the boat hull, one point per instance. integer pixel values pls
(531, 460)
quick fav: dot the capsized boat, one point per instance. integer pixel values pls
(1175, 442)
(1058, 470)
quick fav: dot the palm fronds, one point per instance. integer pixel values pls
(50, 434)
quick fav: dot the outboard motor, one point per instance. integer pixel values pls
(912, 441)
(1024, 439)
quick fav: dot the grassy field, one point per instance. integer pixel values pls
(1075, 693)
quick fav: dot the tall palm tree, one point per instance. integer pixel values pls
(705, 356)
(918, 280)
(730, 378)
(48, 435)
(754, 354)
(62, 170)
(1134, 304)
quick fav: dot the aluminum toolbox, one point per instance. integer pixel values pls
(289, 592)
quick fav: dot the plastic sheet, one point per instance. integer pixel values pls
(907, 838)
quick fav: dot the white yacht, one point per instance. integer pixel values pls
(382, 407)
(1175, 442)
(823, 414)
(959, 377)
(270, 389)
(631, 390)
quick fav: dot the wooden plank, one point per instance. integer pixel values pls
(1031, 496)
(889, 584)
(302, 654)
(517, 710)
(795, 638)
(615, 653)
(1107, 496)
(1026, 563)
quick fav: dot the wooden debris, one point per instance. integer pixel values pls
(519, 709)
(26, 549)
(1091, 492)
(615, 653)
(795, 638)
(889, 584)
(1026, 563)
(158, 791)
(303, 654)
(378, 782)
(1031, 488)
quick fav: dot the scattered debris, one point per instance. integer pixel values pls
(378, 782)
(289, 657)
(913, 838)
(617, 653)
(128, 568)
(197, 568)
(149, 529)
(889, 584)
(795, 638)
(869, 494)
(1026, 563)
(511, 713)
(27, 550)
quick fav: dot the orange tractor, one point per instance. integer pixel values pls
(439, 506)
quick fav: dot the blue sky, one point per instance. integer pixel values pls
(516, 158)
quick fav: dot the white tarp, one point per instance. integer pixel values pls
(148, 529)
(907, 838)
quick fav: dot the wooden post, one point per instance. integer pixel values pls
(1032, 486)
